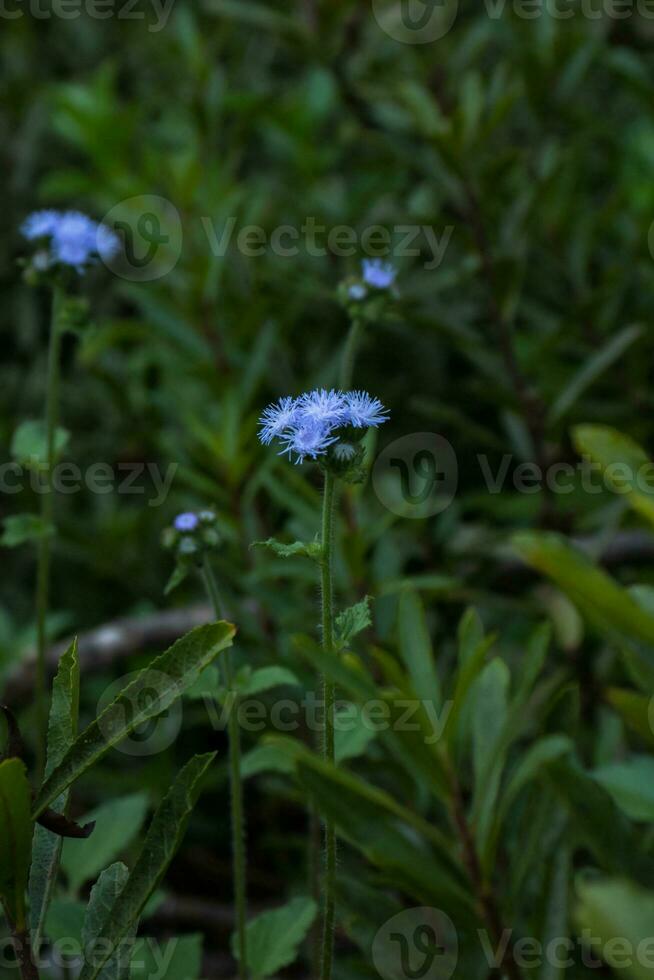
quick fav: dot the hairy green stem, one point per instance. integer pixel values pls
(329, 701)
(350, 352)
(47, 515)
(236, 787)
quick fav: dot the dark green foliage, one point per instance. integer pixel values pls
(495, 768)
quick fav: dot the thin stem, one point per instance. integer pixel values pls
(239, 855)
(488, 904)
(350, 352)
(47, 515)
(23, 950)
(328, 748)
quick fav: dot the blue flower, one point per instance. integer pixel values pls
(357, 292)
(308, 438)
(379, 274)
(307, 426)
(40, 224)
(186, 522)
(75, 240)
(322, 406)
(276, 419)
(364, 411)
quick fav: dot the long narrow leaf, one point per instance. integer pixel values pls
(152, 692)
(15, 838)
(62, 731)
(161, 842)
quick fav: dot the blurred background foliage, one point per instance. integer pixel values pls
(530, 142)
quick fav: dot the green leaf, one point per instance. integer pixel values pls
(598, 822)
(62, 731)
(15, 838)
(175, 671)
(529, 767)
(353, 733)
(208, 685)
(607, 908)
(634, 709)
(631, 784)
(351, 622)
(371, 820)
(180, 572)
(557, 911)
(29, 444)
(20, 528)
(592, 368)
(161, 842)
(266, 758)
(249, 682)
(472, 648)
(102, 899)
(306, 549)
(489, 718)
(626, 465)
(176, 959)
(65, 919)
(416, 648)
(274, 937)
(117, 823)
(605, 603)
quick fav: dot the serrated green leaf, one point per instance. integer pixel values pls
(161, 842)
(274, 937)
(62, 731)
(15, 838)
(20, 528)
(117, 823)
(306, 549)
(102, 899)
(180, 667)
(29, 444)
(350, 622)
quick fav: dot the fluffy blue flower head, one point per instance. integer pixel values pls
(73, 239)
(363, 411)
(357, 291)
(186, 522)
(379, 274)
(307, 426)
(276, 419)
